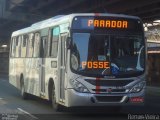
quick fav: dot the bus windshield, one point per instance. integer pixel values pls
(116, 55)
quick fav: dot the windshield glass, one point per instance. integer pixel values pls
(107, 55)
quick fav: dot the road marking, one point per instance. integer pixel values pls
(27, 113)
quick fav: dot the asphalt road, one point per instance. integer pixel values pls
(12, 107)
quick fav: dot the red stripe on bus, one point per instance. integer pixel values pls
(97, 14)
(97, 86)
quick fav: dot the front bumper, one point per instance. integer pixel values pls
(88, 99)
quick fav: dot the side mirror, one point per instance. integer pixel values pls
(68, 42)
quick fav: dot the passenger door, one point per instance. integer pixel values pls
(33, 63)
(62, 65)
(42, 66)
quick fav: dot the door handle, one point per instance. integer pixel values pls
(41, 65)
(62, 67)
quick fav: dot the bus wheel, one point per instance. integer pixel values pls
(55, 105)
(23, 93)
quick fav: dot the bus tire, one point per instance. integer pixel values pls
(23, 93)
(57, 107)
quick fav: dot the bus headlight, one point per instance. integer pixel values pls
(138, 87)
(79, 87)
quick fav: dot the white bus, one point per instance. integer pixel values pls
(81, 60)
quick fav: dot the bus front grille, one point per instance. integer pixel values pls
(109, 98)
(108, 82)
(113, 90)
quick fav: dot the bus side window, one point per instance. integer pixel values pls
(48, 52)
(36, 51)
(13, 46)
(54, 42)
(43, 46)
(44, 42)
(18, 46)
(30, 45)
(23, 46)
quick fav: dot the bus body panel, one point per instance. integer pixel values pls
(32, 75)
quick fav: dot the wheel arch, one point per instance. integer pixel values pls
(50, 86)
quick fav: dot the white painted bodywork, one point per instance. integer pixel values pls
(30, 68)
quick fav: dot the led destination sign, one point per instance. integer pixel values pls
(108, 23)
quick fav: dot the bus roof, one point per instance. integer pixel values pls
(62, 19)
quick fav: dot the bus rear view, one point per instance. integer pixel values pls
(107, 62)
